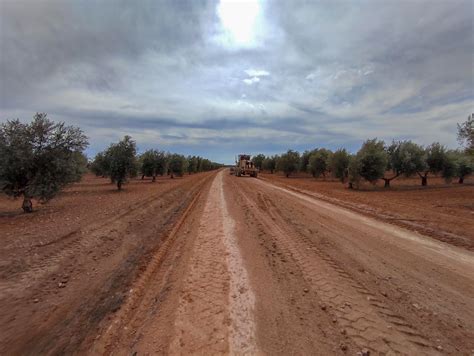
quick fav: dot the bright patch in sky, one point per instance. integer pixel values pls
(239, 20)
(250, 81)
(257, 73)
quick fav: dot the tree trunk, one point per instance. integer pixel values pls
(119, 185)
(424, 181)
(387, 183)
(172, 175)
(271, 171)
(143, 176)
(27, 206)
(461, 180)
(351, 186)
(154, 178)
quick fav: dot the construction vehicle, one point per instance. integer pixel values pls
(244, 166)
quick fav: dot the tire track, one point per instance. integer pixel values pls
(86, 240)
(71, 317)
(145, 282)
(215, 311)
(365, 319)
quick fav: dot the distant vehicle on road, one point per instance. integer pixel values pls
(244, 166)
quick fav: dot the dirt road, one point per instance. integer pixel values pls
(68, 267)
(253, 268)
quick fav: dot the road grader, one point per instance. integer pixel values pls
(244, 166)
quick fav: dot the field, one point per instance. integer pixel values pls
(215, 264)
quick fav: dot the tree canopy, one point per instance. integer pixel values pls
(153, 163)
(340, 163)
(122, 161)
(466, 134)
(269, 163)
(258, 160)
(38, 159)
(288, 162)
(178, 164)
(319, 162)
(372, 160)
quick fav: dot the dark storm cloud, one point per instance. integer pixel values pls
(84, 40)
(312, 74)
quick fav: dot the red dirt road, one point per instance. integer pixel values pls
(216, 264)
(258, 269)
(69, 265)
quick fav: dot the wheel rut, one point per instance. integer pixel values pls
(87, 239)
(215, 311)
(363, 317)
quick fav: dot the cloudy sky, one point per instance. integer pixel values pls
(218, 78)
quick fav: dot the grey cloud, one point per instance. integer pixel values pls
(323, 73)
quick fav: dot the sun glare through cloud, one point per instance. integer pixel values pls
(239, 20)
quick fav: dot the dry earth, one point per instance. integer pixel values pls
(215, 264)
(442, 211)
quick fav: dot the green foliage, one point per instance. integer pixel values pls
(436, 157)
(193, 164)
(449, 166)
(153, 163)
(198, 164)
(269, 164)
(258, 160)
(205, 165)
(288, 162)
(38, 159)
(406, 157)
(304, 160)
(100, 165)
(178, 164)
(319, 162)
(122, 161)
(466, 134)
(339, 164)
(353, 172)
(462, 164)
(372, 160)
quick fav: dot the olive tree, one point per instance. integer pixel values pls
(466, 134)
(269, 164)
(121, 158)
(206, 165)
(152, 163)
(339, 164)
(38, 159)
(436, 161)
(461, 164)
(372, 160)
(288, 162)
(404, 158)
(258, 160)
(100, 165)
(407, 158)
(193, 164)
(319, 162)
(177, 165)
(304, 160)
(449, 170)
(353, 170)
